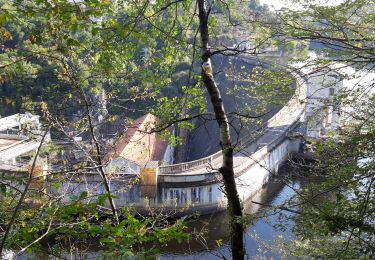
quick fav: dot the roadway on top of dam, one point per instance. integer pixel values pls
(280, 124)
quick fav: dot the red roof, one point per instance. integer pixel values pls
(140, 143)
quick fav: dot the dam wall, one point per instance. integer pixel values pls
(197, 186)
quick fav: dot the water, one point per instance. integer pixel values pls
(260, 235)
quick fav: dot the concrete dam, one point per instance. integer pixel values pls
(194, 186)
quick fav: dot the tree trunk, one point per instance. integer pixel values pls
(226, 170)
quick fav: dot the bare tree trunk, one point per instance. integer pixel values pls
(98, 156)
(98, 159)
(226, 170)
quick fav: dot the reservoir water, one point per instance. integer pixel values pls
(260, 235)
(213, 240)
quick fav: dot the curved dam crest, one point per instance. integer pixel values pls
(196, 186)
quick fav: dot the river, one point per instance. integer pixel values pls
(260, 234)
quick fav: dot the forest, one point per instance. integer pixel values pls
(143, 125)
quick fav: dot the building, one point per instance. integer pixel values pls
(139, 146)
(335, 96)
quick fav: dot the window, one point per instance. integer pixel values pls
(193, 195)
(171, 194)
(177, 196)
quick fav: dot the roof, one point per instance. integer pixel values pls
(140, 143)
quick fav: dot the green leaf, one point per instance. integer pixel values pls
(3, 188)
(3, 19)
(83, 195)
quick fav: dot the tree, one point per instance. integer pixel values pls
(336, 214)
(234, 203)
(335, 217)
(80, 52)
(106, 60)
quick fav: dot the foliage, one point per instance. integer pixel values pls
(334, 218)
(342, 32)
(80, 66)
(70, 226)
(337, 215)
(90, 63)
(346, 215)
(269, 88)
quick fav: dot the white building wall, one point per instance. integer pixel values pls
(322, 113)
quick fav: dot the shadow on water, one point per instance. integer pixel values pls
(213, 241)
(214, 244)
